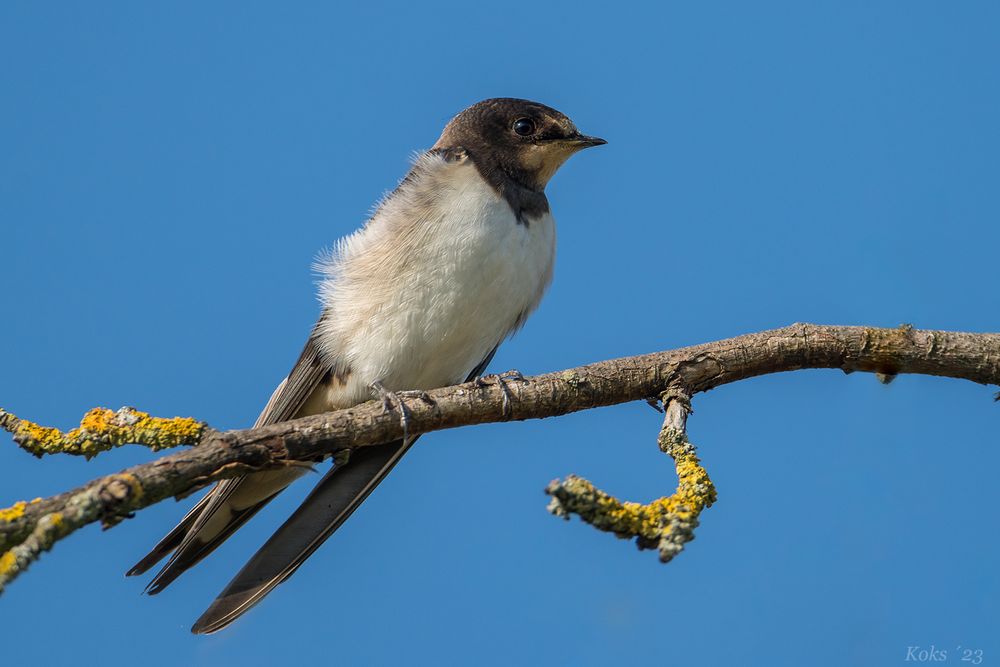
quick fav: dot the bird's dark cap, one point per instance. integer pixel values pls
(518, 139)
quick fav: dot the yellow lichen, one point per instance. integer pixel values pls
(665, 524)
(8, 561)
(16, 511)
(101, 429)
(45, 437)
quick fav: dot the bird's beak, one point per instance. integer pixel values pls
(575, 141)
(583, 141)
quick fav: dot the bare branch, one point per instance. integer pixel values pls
(25, 531)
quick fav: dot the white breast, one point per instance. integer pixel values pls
(440, 275)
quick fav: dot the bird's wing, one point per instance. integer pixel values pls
(334, 499)
(233, 501)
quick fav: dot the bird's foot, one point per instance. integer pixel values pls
(389, 397)
(501, 380)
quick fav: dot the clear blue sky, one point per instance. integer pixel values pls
(168, 171)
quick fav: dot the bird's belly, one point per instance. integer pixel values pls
(472, 284)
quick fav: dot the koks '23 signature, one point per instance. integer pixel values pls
(972, 656)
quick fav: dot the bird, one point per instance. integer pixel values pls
(450, 264)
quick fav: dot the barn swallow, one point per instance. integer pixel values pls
(451, 263)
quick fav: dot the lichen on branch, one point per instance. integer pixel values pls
(16, 511)
(665, 524)
(48, 530)
(108, 501)
(102, 429)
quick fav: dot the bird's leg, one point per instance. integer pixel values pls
(389, 397)
(384, 395)
(501, 380)
(516, 376)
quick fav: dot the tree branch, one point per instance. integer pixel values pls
(102, 429)
(27, 529)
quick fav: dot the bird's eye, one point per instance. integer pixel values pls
(524, 126)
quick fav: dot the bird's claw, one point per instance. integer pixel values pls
(501, 381)
(512, 374)
(389, 397)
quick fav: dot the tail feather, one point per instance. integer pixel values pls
(226, 508)
(169, 542)
(326, 508)
(233, 501)
(185, 558)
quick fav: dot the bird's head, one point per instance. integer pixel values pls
(528, 141)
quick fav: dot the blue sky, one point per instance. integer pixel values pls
(169, 171)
